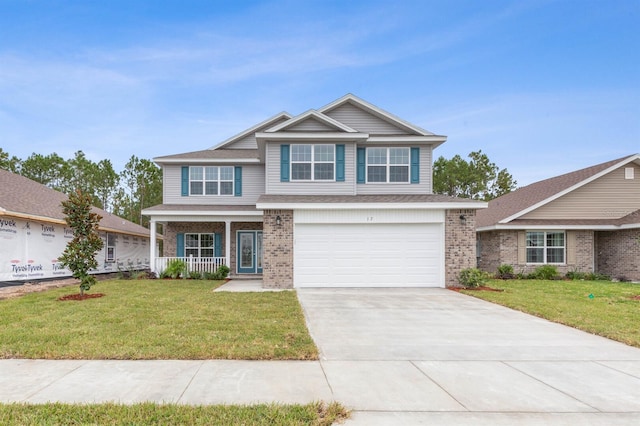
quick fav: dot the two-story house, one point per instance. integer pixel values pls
(339, 196)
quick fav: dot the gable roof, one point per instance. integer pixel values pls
(511, 206)
(312, 115)
(269, 122)
(24, 198)
(378, 112)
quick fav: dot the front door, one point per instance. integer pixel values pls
(249, 248)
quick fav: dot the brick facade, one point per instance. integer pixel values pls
(278, 249)
(174, 228)
(460, 244)
(501, 248)
(619, 254)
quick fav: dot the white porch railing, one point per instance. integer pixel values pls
(194, 264)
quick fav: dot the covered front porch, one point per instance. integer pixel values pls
(206, 237)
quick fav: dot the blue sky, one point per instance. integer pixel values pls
(542, 87)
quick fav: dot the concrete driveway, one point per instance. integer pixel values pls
(434, 356)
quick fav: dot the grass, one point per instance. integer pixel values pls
(170, 414)
(155, 319)
(610, 312)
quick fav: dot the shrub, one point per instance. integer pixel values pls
(472, 277)
(175, 269)
(575, 275)
(221, 273)
(544, 272)
(505, 272)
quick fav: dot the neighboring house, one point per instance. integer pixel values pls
(586, 221)
(339, 196)
(33, 234)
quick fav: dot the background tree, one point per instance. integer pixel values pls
(141, 188)
(11, 163)
(51, 170)
(80, 254)
(478, 178)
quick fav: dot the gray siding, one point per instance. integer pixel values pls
(363, 121)
(424, 187)
(249, 141)
(310, 125)
(252, 188)
(609, 197)
(274, 186)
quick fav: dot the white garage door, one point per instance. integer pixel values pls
(368, 255)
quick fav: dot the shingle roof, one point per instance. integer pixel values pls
(527, 196)
(213, 154)
(25, 197)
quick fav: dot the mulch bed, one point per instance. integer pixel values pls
(636, 297)
(79, 296)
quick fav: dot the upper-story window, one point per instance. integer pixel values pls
(313, 162)
(388, 165)
(210, 180)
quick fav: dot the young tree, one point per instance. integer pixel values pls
(80, 254)
(479, 178)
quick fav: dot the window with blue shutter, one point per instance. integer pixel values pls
(238, 181)
(284, 163)
(180, 245)
(185, 181)
(217, 245)
(339, 163)
(361, 158)
(415, 165)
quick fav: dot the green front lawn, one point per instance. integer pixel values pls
(155, 319)
(611, 311)
(170, 414)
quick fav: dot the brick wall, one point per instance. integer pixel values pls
(618, 254)
(278, 249)
(460, 244)
(501, 248)
(174, 228)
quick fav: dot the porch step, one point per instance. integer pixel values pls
(241, 277)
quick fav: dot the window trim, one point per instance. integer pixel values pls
(200, 248)
(112, 258)
(312, 162)
(546, 247)
(387, 165)
(218, 181)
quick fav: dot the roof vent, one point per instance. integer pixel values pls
(628, 173)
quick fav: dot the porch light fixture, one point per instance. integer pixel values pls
(278, 220)
(463, 218)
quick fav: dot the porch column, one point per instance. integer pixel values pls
(152, 246)
(227, 242)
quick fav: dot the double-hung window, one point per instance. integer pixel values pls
(210, 180)
(313, 162)
(198, 245)
(111, 248)
(546, 247)
(388, 165)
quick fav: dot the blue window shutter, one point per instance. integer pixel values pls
(339, 163)
(415, 165)
(217, 245)
(238, 181)
(185, 181)
(284, 163)
(361, 158)
(180, 245)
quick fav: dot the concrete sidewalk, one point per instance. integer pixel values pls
(393, 356)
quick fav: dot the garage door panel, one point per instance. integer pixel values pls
(368, 255)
